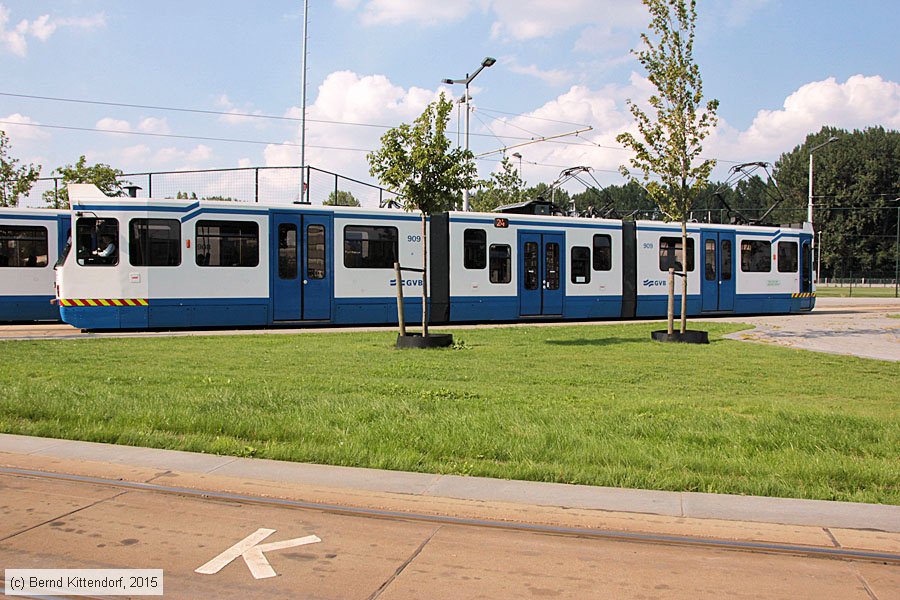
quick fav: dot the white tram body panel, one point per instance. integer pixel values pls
(30, 243)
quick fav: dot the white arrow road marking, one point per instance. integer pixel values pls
(257, 563)
(253, 554)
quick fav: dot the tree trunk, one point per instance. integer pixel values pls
(424, 275)
(684, 279)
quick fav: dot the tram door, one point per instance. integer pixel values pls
(718, 271)
(806, 273)
(541, 267)
(302, 273)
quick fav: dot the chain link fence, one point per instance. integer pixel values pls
(269, 185)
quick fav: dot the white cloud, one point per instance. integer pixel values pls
(859, 102)
(421, 12)
(154, 125)
(110, 124)
(237, 115)
(554, 77)
(135, 155)
(20, 127)
(513, 19)
(145, 125)
(42, 28)
(531, 19)
(347, 97)
(15, 40)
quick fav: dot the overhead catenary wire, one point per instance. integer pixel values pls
(585, 143)
(177, 136)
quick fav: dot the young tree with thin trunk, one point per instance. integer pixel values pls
(416, 162)
(15, 181)
(105, 177)
(667, 155)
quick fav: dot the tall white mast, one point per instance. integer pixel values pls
(303, 194)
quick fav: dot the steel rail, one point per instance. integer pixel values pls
(845, 554)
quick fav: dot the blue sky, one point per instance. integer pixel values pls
(780, 69)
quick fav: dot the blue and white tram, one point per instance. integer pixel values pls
(31, 240)
(183, 263)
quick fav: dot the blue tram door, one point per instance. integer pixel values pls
(806, 273)
(317, 270)
(541, 267)
(718, 271)
(302, 275)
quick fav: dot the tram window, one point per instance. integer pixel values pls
(370, 247)
(726, 260)
(287, 251)
(23, 246)
(581, 260)
(227, 244)
(710, 260)
(501, 259)
(530, 259)
(787, 257)
(602, 252)
(155, 243)
(670, 254)
(756, 256)
(551, 265)
(806, 277)
(315, 251)
(474, 248)
(97, 241)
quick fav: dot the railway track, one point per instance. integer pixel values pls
(818, 552)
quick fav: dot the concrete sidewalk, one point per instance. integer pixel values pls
(785, 511)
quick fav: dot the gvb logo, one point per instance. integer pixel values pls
(654, 283)
(408, 283)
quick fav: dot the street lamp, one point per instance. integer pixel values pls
(522, 181)
(809, 210)
(519, 156)
(487, 62)
(897, 255)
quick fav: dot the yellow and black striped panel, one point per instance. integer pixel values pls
(804, 295)
(103, 302)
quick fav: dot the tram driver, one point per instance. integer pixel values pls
(106, 251)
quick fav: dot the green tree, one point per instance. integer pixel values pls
(504, 187)
(856, 182)
(103, 176)
(341, 198)
(416, 162)
(15, 181)
(671, 139)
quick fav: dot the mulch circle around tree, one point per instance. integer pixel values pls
(415, 340)
(688, 337)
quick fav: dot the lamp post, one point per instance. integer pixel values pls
(897, 254)
(809, 208)
(519, 156)
(487, 62)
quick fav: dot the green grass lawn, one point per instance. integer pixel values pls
(857, 292)
(597, 405)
